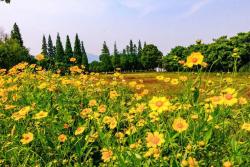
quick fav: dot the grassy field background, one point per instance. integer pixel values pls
(241, 81)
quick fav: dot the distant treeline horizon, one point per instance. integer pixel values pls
(134, 57)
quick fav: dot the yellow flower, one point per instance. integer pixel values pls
(160, 77)
(9, 107)
(174, 81)
(106, 154)
(192, 162)
(227, 164)
(183, 78)
(113, 95)
(79, 130)
(21, 114)
(229, 96)
(75, 69)
(180, 125)
(92, 103)
(72, 59)
(242, 101)
(152, 151)
(111, 121)
(196, 58)
(40, 115)
(39, 57)
(85, 112)
(246, 126)
(167, 79)
(159, 104)
(62, 138)
(154, 139)
(27, 138)
(102, 108)
(216, 100)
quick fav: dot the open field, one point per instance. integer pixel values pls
(103, 120)
(240, 80)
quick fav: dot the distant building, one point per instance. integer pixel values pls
(158, 69)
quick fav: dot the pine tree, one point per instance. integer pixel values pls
(51, 51)
(105, 58)
(85, 61)
(145, 44)
(77, 50)
(117, 61)
(59, 50)
(15, 34)
(68, 50)
(44, 47)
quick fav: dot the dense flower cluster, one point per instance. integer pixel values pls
(105, 120)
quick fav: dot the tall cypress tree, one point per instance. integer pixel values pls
(44, 47)
(117, 60)
(77, 50)
(105, 58)
(85, 61)
(68, 50)
(51, 52)
(15, 34)
(139, 50)
(59, 49)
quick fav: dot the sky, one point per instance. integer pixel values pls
(165, 23)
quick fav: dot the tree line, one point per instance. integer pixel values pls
(58, 57)
(219, 54)
(134, 57)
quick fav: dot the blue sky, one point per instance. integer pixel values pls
(165, 23)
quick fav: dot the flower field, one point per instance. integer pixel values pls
(47, 119)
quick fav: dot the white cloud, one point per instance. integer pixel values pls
(196, 7)
(144, 7)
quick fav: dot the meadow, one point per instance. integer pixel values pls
(140, 119)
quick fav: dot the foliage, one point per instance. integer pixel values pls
(151, 57)
(11, 53)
